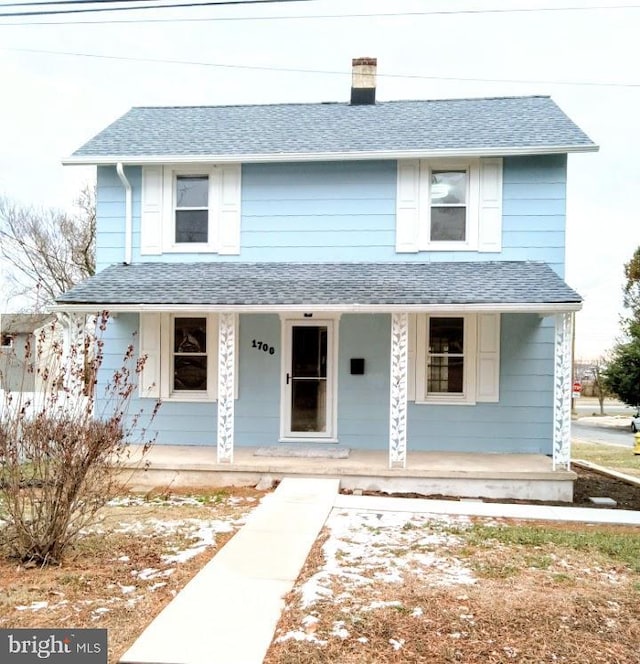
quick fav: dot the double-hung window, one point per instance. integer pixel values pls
(455, 359)
(448, 205)
(445, 356)
(189, 357)
(191, 209)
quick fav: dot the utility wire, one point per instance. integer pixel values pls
(199, 63)
(269, 18)
(57, 12)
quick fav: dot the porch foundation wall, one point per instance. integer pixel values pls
(558, 489)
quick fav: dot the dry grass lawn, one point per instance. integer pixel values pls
(454, 590)
(125, 570)
(610, 456)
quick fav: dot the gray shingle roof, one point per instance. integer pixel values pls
(338, 128)
(229, 284)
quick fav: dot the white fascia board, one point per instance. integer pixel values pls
(324, 156)
(541, 308)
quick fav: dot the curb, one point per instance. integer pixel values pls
(630, 479)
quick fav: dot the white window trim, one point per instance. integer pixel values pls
(169, 245)
(468, 396)
(167, 327)
(333, 321)
(472, 167)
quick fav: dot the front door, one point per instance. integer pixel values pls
(308, 380)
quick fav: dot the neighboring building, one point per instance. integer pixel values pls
(19, 359)
(377, 275)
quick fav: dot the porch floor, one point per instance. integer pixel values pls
(526, 476)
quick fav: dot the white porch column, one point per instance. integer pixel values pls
(398, 391)
(562, 381)
(226, 387)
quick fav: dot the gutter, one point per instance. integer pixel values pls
(258, 158)
(541, 308)
(128, 213)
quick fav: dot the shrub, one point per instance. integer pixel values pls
(60, 460)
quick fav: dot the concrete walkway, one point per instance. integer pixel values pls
(506, 510)
(229, 611)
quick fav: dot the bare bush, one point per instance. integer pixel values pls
(63, 446)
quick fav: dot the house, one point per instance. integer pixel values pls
(20, 336)
(365, 275)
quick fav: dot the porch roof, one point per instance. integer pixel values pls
(410, 286)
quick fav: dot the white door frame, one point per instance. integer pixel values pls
(288, 322)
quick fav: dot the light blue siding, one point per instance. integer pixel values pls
(181, 423)
(257, 409)
(345, 211)
(363, 401)
(520, 422)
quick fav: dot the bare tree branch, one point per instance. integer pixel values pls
(48, 251)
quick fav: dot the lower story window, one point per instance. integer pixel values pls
(190, 354)
(446, 356)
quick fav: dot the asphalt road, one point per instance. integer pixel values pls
(594, 433)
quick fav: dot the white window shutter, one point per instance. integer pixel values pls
(151, 216)
(229, 213)
(490, 206)
(150, 347)
(408, 206)
(411, 359)
(488, 378)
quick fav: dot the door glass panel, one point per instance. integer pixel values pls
(309, 358)
(309, 379)
(308, 405)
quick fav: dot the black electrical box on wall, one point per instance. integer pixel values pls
(357, 366)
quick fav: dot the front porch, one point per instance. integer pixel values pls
(470, 475)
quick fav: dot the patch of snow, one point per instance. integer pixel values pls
(380, 605)
(417, 612)
(310, 620)
(301, 636)
(362, 639)
(123, 559)
(396, 644)
(155, 586)
(127, 589)
(339, 630)
(34, 606)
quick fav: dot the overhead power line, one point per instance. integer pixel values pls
(57, 12)
(199, 63)
(455, 12)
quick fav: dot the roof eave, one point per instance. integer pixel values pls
(542, 308)
(324, 156)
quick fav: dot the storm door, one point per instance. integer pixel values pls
(308, 380)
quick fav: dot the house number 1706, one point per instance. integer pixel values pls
(261, 345)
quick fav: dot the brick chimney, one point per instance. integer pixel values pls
(363, 81)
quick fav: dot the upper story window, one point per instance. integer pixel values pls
(448, 213)
(449, 205)
(191, 201)
(190, 209)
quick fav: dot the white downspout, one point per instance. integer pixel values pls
(128, 213)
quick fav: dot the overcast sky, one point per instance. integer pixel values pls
(51, 103)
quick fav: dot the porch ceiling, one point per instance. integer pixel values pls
(408, 286)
